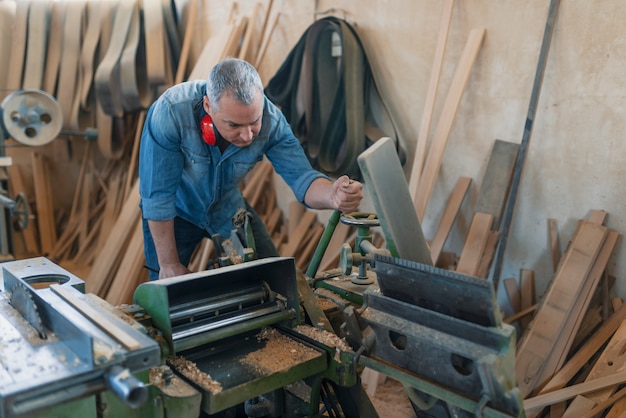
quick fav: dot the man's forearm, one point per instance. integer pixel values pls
(164, 242)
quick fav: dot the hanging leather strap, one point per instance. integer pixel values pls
(325, 88)
(68, 93)
(55, 43)
(7, 19)
(107, 80)
(155, 41)
(96, 12)
(38, 18)
(16, 69)
(108, 145)
(135, 90)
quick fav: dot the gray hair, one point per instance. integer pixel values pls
(235, 76)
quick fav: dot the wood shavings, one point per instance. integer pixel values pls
(190, 370)
(327, 338)
(280, 352)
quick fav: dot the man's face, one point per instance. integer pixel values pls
(237, 123)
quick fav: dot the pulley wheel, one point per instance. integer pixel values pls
(32, 117)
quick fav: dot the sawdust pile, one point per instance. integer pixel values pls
(190, 370)
(280, 352)
(327, 338)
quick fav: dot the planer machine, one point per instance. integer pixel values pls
(251, 340)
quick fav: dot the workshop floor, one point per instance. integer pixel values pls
(391, 400)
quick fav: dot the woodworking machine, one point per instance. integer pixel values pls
(250, 338)
(190, 345)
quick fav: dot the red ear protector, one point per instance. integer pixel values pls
(206, 127)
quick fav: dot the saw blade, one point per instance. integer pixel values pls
(23, 302)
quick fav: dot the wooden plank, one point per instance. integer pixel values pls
(343, 234)
(190, 34)
(129, 274)
(541, 401)
(104, 322)
(610, 362)
(521, 314)
(296, 211)
(527, 299)
(597, 217)
(43, 197)
(579, 406)
(311, 244)
(618, 410)
(248, 46)
(618, 397)
(513, 292)
(536, 348)
(575, 318)
(446, 120)
(450, 213)
(475, 244)
(267, 36)
(555, 245)
(233, 44)
(429, 103)
(108, 260)
(586, 352)
(488, 252)
(497, 180)
(295, 239)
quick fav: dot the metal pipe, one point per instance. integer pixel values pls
(126, 387)
(323, 244)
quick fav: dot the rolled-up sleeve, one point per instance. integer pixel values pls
(160, 163)
(288, 158)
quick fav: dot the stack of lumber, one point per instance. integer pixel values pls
(573, 336)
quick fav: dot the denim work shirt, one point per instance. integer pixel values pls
(181, 175)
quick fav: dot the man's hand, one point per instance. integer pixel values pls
(346, 194)
(172, 270)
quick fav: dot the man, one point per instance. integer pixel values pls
(199, 140)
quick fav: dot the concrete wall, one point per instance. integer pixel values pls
(576, 160)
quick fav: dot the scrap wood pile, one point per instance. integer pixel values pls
(570, 354)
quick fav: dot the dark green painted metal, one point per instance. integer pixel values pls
(323, 244)
(430, 388)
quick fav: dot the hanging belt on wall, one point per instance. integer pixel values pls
(326, 90)
(68, 93)
(55, 42)
(38, 18)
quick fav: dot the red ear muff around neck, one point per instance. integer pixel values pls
(206, 127)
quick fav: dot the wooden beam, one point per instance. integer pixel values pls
(497, 180)
(586, 352)
(580, 306)
(541, 401)
(555, 245)
(450, 213)
(446, 120)
(536, 348)
(45, 209)
(429, 104)
(609, 362)
(475, 244)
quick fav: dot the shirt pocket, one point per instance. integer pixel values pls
(241, 168)
(196, 163)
